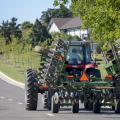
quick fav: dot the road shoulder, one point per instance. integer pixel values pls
(10, 80)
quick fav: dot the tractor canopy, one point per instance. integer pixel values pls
(79, 53)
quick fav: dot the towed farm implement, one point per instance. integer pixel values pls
(68, 75)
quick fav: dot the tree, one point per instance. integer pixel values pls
(52, 13)
(15, 28)
(26, 28)
(39, 33)
(26, 25)
(101, 16)
(9, 29)
(5, 31)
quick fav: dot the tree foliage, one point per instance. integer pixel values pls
(26, 25)
(26, 28)
(9, 29)
(54, 13)
(39, 33)
(5, 31)
(101, 16)
(57, 36)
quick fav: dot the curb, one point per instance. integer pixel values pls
(11, 81)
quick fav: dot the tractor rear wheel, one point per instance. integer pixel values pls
(75, 107)
(31, 92)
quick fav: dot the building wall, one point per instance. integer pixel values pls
(84, 33)
(77, 32)
(73, 31)
(53, 28)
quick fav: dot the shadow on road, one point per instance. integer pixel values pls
(89, 112)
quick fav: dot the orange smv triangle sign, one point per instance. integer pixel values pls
(84, 77)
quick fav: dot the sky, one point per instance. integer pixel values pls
(24, 10)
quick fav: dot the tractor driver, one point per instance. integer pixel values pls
(75, 56)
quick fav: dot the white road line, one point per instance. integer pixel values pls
(50, 114)
(10, 99)
(20, 103)
(10, 80)
(2, 97)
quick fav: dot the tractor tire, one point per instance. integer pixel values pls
(75, 107)
(55, 106)
(116, 84)
(96, 106)
(31, 92)
(117, 107)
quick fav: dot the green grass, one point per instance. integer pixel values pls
(15, 66)
(12, 71)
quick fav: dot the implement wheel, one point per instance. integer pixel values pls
(117, 107)
(31, 91)
(55, 106)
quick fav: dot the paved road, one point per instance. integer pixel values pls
(12, 108)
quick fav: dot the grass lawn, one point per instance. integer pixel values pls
(12, 72)
(16, 68)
